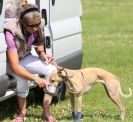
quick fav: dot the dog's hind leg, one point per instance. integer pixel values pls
(72, 102)
(116, 99)
(79, 104)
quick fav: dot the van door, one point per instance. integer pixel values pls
(1, 16)
(2, 41)
(63, 30)
(66, 32)
(45, 11)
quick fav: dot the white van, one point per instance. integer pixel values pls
(63, 33)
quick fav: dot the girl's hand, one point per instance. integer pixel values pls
(45, 57)
(41, 82)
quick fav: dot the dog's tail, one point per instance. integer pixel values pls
(125, 95)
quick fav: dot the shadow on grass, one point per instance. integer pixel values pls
(8, 108)
(104, 116)
(94, 116)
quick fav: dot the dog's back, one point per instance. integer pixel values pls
(98, 74)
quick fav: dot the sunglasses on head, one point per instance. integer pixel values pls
(34, 25)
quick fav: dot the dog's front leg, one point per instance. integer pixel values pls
(72, 102)
(79, 104)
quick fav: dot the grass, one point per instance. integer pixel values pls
(107, 43)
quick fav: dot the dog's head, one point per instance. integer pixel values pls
(73, 83)
(57, 77)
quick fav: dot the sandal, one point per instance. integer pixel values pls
(19, 118)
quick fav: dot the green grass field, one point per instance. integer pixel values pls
(107, 43)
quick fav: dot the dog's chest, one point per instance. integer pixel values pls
(86, 88)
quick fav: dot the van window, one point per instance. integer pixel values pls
(1, 5)
(12, 8)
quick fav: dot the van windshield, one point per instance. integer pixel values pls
(1, 5)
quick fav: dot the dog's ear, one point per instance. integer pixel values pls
(60, 69)
(61, 72)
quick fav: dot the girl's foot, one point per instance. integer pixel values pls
(19, 118)
(50, 119)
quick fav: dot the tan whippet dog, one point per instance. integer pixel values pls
(80, 81)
